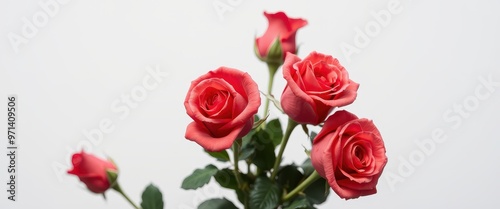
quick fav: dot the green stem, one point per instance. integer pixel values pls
(291, 125)
(302, 186)
(273, 68)
(236, 155)
(258, 171)
(236, 171)
(119, 190)
(246, 204)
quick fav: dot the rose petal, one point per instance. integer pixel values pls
(204, 138)
(335, 121)
(319, 81)
(349, 153)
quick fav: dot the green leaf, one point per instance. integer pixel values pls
(275, 52)
(300, 203)
(308, 152)
(247, 147)
(112, 177)
(199, 177)
(247, 151)
(273, 128)
(307, 167)
(217, 203)
(256, 51)
(258, 122)
(220, 156)
(247, 139)
(264, 151)
(241, 195)
(274, 100)
(318, 191)
(265, 194)
(312, 136)
(226, 179)
(152, 198)
(289, 177)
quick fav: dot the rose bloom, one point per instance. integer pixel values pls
(222, 104)
(315, 85)
(92, 171)
(280, 27)
(350, 154)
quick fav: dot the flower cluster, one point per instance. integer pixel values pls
(347, 155)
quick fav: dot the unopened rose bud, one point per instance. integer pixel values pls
(93, 171)
(279, 38)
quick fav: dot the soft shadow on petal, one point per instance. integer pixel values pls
(202, 136)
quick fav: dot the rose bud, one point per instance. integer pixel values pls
(222, 104)
(93, 171)
(279, 37)
(315, 86)
(350, 154)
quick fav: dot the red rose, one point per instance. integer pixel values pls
(92, 171)
(350, 154)
(282, 27)
(222, 104)
(314, 87)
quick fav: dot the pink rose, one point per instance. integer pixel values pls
(281, 28)
(315, 85)
(92, 171)
(222, 104)
(350, 154)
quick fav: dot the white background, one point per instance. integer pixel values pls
(427, 59)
